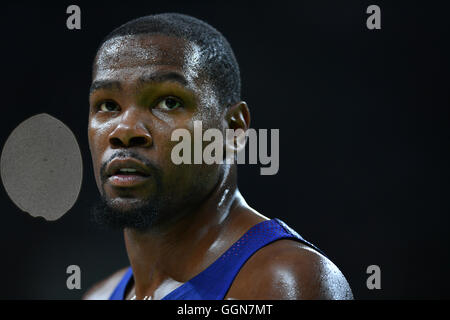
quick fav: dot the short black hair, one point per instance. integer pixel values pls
(219, 62)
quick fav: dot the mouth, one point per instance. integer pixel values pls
(127, 173)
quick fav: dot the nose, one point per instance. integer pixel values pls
(130, 132)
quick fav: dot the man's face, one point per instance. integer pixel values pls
(144, 87)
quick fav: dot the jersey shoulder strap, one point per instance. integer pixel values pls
(214, 282)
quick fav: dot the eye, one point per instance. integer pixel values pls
(169, 104)
(108, 106)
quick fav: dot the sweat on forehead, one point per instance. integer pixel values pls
(133, 51)
(204, 50)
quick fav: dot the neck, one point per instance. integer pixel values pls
(191, 241)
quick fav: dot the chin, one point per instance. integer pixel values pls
(126, 204)
(119, 213)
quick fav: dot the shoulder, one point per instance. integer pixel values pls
(103, 289)
(288, 269)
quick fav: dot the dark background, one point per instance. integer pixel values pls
(364, 134)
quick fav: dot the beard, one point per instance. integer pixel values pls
(156, 212)
(125, 212)
(140, 215)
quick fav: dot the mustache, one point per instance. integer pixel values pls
(128, 154)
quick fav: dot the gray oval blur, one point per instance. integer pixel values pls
(41, 167)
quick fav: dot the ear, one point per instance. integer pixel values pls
(238, 116)
(238, 119)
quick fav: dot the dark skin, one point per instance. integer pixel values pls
(140, 77)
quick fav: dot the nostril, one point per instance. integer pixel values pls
(116, 142)
(138, 141)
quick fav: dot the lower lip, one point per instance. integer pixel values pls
(125, 180)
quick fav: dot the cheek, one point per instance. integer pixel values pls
(98, 142)
(185, 177)
(189, 180)
(94, 150)
(99, 130)
(161, 132)
(165, 120)
(194, 182)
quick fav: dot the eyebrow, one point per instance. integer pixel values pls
(163, 77)
(145, 79)
(105, 85)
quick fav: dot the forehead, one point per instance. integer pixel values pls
(132, 55)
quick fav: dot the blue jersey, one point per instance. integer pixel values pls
(213, 282)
